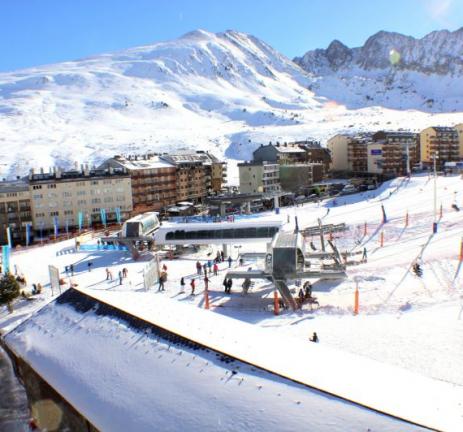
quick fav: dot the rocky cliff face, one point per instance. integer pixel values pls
(439, 52)
(391, 70)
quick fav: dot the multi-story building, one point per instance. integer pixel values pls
(154, 180)
(337, 145)
(59, 197)
(259, 177)
(393, 153)
(215, 171)
(357, 156)
(444, 142)
(280, 153)
(315, 153)
(190, 176)
(15, 211)
(459, 128)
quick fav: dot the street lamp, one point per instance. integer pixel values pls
(435, 156)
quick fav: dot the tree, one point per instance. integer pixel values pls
(9, 290)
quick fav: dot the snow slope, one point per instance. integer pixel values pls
(226, 92)
(405, 322)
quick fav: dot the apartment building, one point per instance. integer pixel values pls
(393, 153)
(442, 141)
(15, 211)
(58, 197)
(337, 146)
(259, 177)
(190, 172)
(357, 156)
(215, 171)
(280, 153)
(153, 179)
(459, 128)
(315, 153)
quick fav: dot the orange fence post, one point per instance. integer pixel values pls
(441, 212)
(276, 303)
(365, 229)
(461, 250)
(356, 300)
(206, 299)
(406, 219)
(381, 239)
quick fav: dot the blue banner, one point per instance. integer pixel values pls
(8, 236)
(55, 225)
(28, 234)
(80, 220)
(118, 214)
(6, 259)
(103, 216)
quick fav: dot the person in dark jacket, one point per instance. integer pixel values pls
(314, 337)
(193, 286)
(182, 284)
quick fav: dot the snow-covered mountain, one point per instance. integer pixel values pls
(392, 70)
(225, 92)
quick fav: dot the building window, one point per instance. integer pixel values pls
(38, 196)
(54, 213)
(68, 212)
(37, 187)
(51, 186)
(67, 194)
(96, 200)
(81, 202)
(94, 182)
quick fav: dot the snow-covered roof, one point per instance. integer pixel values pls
(143, 163)
(128, 362)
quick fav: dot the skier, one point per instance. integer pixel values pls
(222, 256)
(125, 272)
(229, 261)
(198, 267)
(89, 265)
(161, 283)
(164, 267)
(364, 255)
(192, 284)
(71, 267)
(205, 269)
(107, 273)
(209, 265)
(216, 269)
(182, 285)
(120, 277)
(225, 285)
(314, 337)
(417, 269)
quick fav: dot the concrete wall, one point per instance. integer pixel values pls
(251, 178)
(338, 148)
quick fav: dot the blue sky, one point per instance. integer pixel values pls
(35, 32)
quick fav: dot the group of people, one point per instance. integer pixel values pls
(227, 283)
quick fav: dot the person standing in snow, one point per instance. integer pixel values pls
(89, 265)
(216, 269)
(107, 273)
(314, 337)
(193, 285)
(198, 268)
(229, 261)
(222, 256)
(161, 283)
(120, 277)
(364, 255)
(205, 269)
(182, 284)
(229, 285)
(71, 267)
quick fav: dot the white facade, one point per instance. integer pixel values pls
(338, 146)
